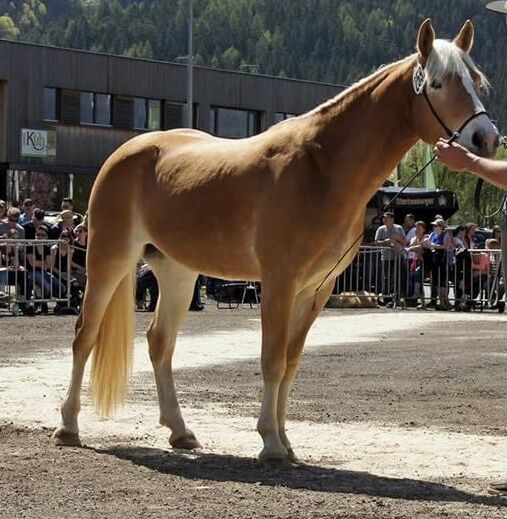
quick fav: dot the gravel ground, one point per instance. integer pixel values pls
(395, 414)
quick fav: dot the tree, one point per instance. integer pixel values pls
(7, 28)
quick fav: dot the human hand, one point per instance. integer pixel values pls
(454, 155)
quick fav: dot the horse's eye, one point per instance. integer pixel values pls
(436, 84)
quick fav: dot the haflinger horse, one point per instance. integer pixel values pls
(282, 207)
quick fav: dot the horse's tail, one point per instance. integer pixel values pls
(112, 354)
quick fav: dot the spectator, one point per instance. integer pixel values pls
(371, 230)
(61, 267)
(372, 265)
(409, 226)
(469, 235)
(28, 208)
(146, 282)
(38, 221)
(79, 257)
(391, 238)
(38, 257)
(67, 204)
(13, 273)
(66, 221)
(436, 256)
(495, 286)
(196, 304)
(416, 265)
(462, 270)
(3, 208)
(496, 236)
(11, 222)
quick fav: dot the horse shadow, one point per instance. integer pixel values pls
(227, 468)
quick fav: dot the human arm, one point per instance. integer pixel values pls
(381, 240)
(459, 158)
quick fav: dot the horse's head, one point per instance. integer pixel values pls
(447, 84)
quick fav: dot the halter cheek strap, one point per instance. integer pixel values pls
(419, 83)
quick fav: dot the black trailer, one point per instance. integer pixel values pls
(423, 203)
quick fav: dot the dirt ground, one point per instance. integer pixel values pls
(395, 414)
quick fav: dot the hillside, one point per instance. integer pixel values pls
(323, 40)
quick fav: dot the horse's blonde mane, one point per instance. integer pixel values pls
(446, 58)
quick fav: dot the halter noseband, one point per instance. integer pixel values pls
(419, 83)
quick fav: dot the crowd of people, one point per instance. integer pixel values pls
(445, 256)
(41, 269)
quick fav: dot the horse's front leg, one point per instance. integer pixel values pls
(277, 303)
(307, 307)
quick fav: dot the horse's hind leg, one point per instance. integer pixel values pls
(104, 276)
(176, 285)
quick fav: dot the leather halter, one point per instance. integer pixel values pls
(449, 132)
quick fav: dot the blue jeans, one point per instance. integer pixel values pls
(49, 284)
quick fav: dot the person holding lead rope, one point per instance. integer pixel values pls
(493, 171)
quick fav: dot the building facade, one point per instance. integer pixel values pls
(63, 112)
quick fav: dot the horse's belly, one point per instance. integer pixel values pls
(222, 255)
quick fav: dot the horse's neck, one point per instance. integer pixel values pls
(365, 133)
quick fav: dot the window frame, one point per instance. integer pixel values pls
(56, 104)
(252, 122)
(146, 101)
(94, 105)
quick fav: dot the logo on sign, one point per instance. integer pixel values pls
(38, 143)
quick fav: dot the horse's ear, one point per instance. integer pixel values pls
(425, 38)
(465, 39)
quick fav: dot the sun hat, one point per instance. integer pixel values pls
(500, 6)
(66, 213)
(440, 222)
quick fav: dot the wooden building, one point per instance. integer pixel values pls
(62, 112)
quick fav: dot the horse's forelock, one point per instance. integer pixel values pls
(447, 59)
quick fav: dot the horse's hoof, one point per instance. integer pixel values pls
(292, 457)
(63, 438)
(275, 461)
(187, 442)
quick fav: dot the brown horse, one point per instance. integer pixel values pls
(280, 207)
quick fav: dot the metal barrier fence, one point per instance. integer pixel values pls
(34, 273)
(465, 279)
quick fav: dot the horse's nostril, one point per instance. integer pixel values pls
(478, 140)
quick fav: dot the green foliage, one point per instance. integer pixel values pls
(7, 28)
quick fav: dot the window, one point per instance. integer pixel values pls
(95, 108)
(281, 116)
(228, 122)
(147, 114)
(51, 104)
